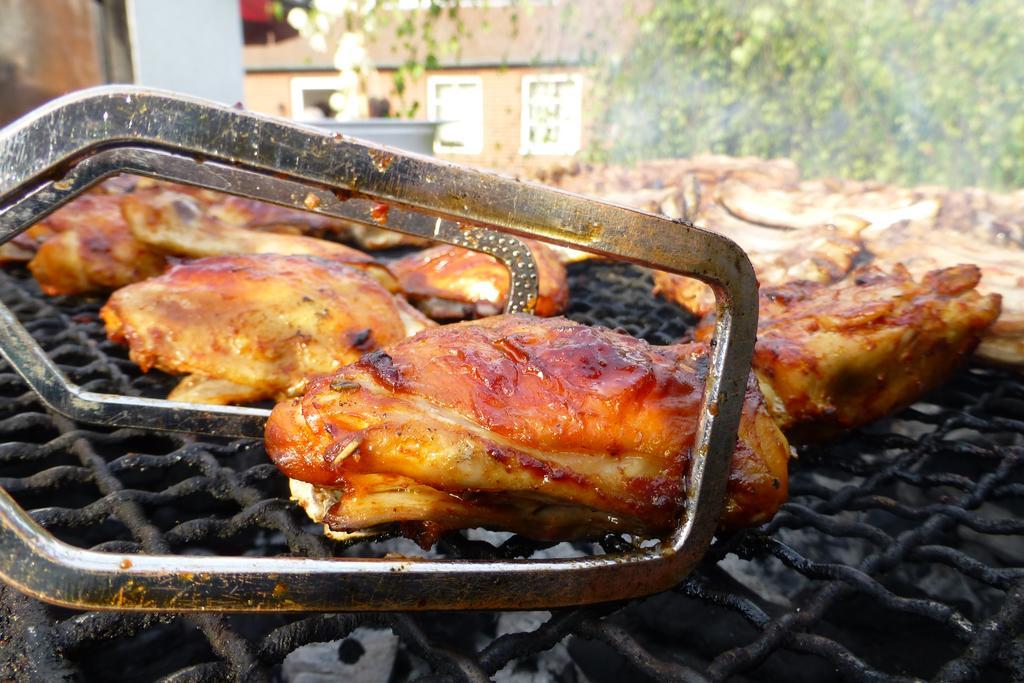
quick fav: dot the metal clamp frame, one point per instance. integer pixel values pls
(55, 153)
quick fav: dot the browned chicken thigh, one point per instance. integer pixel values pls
(831, 358)
(545, 427)
(92, 250)
(253, 214)
(452, 283)
(557, 430)
(251, 327)
(98, 206)
(177, 224)
(822, 255)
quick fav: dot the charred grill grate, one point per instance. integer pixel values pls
(900, 554)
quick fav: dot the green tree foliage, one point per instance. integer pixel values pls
(907, 91)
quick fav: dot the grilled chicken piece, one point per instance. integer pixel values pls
(259, 324)
(831, 358)
(452, 283)
(923, 229)
(95, 207)
(256, 215)
(251, 213)
(176, 224)
(921, 248)
(23, 247)
(91, 207)
(98, 205)
(93, 250)
(821, 255)
(544, 427)
(813, 205)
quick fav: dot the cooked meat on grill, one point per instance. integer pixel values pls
(259, 324)
(831, 358)
(452, 283)
(23, 246)
(93, 250)
(545, 427)
(92, 259)
(921, 247)
(177, 224)
(253, 214)
(765, 208)
(821, 255)
(812, 205)
(100, 204)
(556, 430)
(828, 254)
(96, 206)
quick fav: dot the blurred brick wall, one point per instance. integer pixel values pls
(269, 92)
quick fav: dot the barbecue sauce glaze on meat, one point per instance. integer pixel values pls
(90, 249)
(834, 357)
(252, 327)
(177, 224)
(544, 427)
(452, 283)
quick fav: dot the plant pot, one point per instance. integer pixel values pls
(410, 135)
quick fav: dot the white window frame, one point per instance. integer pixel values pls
(300, 84)
(472, 146)
(526, 148)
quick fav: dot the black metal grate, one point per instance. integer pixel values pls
(899, 556)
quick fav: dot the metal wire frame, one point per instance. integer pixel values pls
(893, 501)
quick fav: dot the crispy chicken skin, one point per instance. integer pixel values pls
(544, 427)
(451, 283)
(821, 255)
(92, 251)
(923, 247)
(99, 205)
(177, 224)
(91, 207)
(253, 214)
(258, 324)
(831, 358)
(23, 247)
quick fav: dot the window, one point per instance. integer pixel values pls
(552, 115)
(311, 97)
(458, 102)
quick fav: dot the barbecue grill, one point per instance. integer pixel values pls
(899, 554)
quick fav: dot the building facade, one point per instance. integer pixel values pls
(513, 97)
